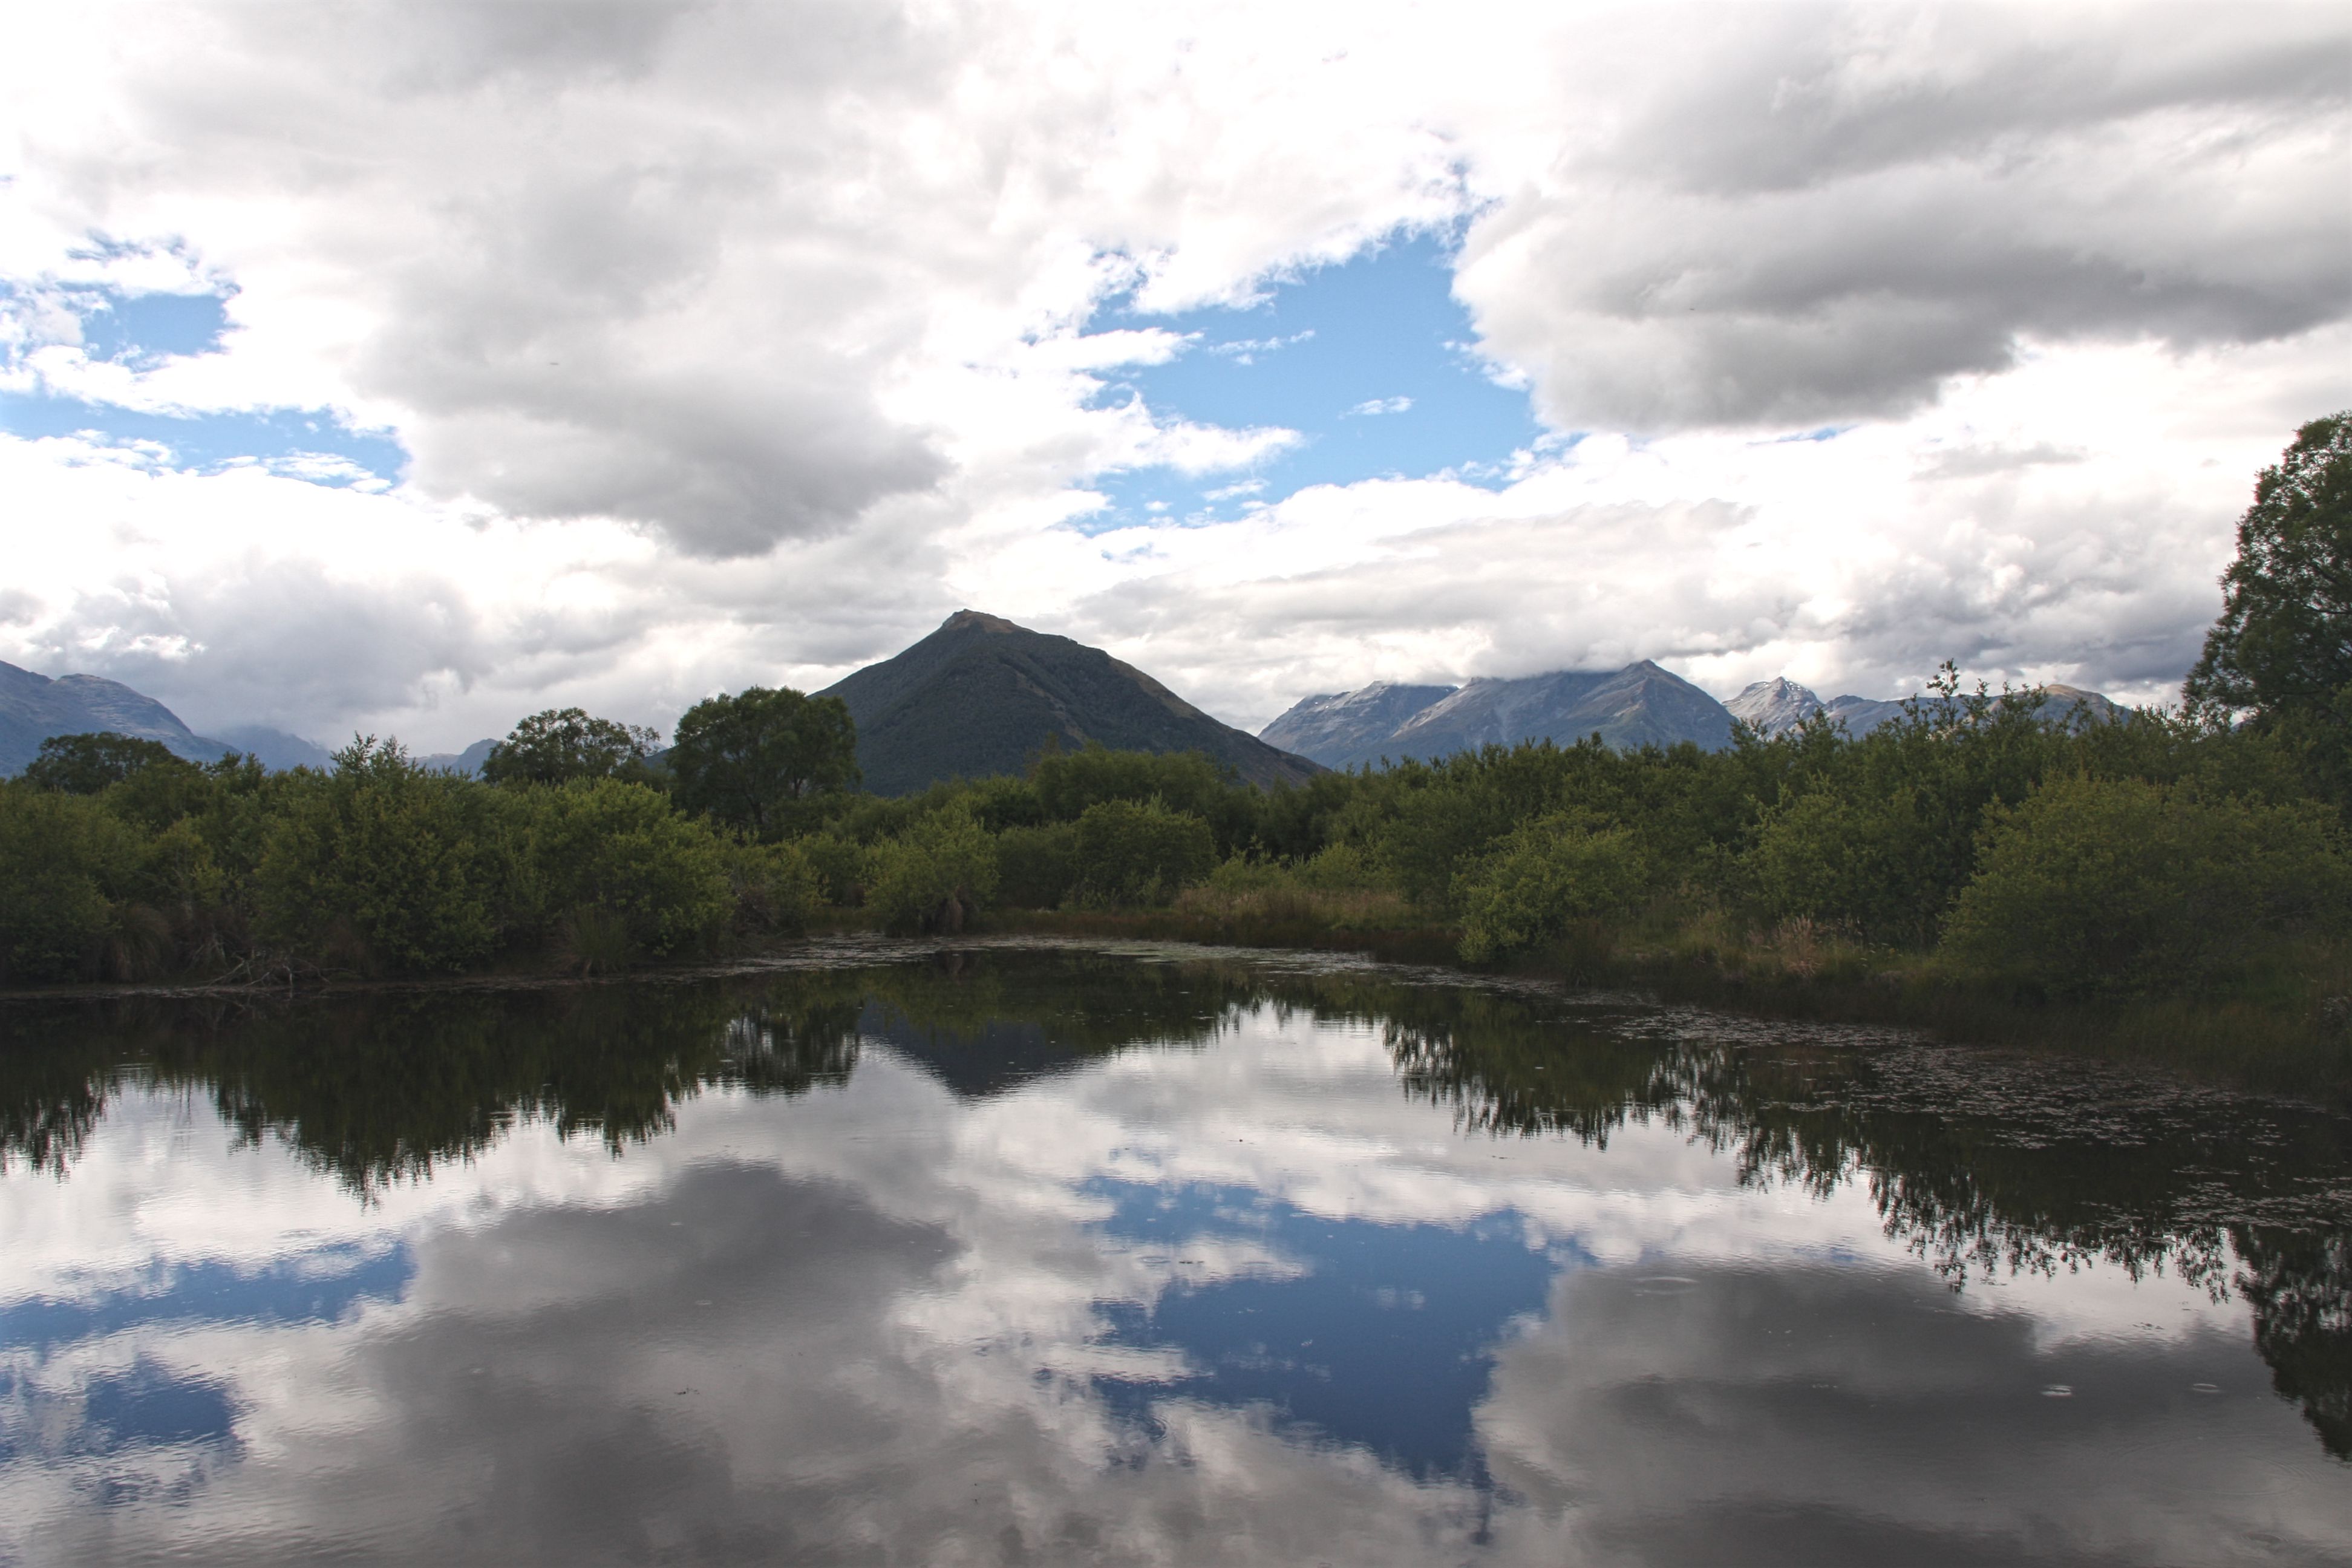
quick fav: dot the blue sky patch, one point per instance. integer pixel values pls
(1386, 1341)
(1371, 360)
(142, 332)
(146, 329)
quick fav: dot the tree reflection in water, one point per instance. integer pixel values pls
(1979, 1163)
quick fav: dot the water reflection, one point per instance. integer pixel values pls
(984, 1254)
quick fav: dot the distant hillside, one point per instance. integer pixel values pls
(33, 708)
(980, 696)
(1639, 705)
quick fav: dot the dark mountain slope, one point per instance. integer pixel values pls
(980, 696)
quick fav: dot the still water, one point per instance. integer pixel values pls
(1024, 1253)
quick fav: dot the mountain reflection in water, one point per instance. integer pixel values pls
(1003, 1253)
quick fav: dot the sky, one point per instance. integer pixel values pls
(407, 368)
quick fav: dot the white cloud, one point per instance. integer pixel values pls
(742, 343)
(1381, 405)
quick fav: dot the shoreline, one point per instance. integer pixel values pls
(2234, 1043)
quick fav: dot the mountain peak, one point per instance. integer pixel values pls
(979, 621)
(981, 696)
(1769, 707)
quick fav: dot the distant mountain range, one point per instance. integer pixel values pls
(981, 696)
(1771, 706)
(1638, 705)
(33, 708)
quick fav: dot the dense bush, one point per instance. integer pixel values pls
(2096, 886)
(1126, 853)
(64, 859)
(1544, 875)
(383, 862)
(932, 877)
(605, 844)
(1037, 866)
(776, 887)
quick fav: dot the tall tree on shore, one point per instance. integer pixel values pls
(566, 744)
(750, 759)
(2283, 644)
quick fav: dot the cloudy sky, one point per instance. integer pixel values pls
(411, 367)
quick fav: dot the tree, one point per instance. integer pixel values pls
(2283, 644)
(88, 764)
(2095, 887)
(934, 875)
(566, 744)
(386, 853)
(751, 758)
(1126, 853)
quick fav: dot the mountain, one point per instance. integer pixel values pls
(467, 762)
(1639, 705)
(1771, 706)
(2072, 701)
(980, 696)
(276, 750)
(1342, 729)
(33, 708)
(1779, 703)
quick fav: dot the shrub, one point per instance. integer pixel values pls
(933, 875)
(2094, 886)
(1543, 878)
(615, 847)
(1126, 853)
(839, 864)
(61, 860)
(1037, 866)
(384, 850)
(776, 887)
(1866, 866)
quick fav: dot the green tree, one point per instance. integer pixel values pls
(87, 764)
(756, 760)
(2116, 885)
(383, 852)
(618, 848)
(934, 875)
(1543, 877)
(1131, 853)
(2285, 638)
(566, 744)
(62, 861)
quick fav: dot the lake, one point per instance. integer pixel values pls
(1024, 1252)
